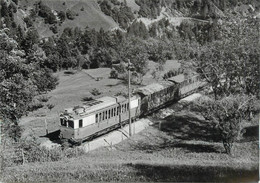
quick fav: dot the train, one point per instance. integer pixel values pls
(98, 116)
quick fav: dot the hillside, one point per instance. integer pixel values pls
(87, 13)
(111, 15)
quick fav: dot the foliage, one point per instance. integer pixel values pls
(100, 58)
(121, 13)
(35, 106)
(43, 98)
(231, 66)
(114, 74)
(227, 113)
(50, 106)
(138, 29)
(21, 78)
(95, 92)
(85, 99)
(46, 13)
(134, 50)
(70, 14)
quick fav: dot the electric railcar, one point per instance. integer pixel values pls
(99, 116)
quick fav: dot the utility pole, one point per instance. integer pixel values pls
(129, 97)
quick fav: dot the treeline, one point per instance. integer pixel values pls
(203, 9)
(202, 32)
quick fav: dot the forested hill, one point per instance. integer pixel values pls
(51, 17)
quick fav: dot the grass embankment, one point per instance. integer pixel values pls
(152, 155)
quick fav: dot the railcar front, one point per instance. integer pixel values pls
(97, 117)
(86, 121)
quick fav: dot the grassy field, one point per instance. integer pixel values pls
(151, 155)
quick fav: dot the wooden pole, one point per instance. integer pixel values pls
(46, 126)
(23, 156)
(129, 96)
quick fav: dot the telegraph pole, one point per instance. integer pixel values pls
(129, 96)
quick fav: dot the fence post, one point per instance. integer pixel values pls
(23, 156)
(46, 126)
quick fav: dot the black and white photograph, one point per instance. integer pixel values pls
(129, 91)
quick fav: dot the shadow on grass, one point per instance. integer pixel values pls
(251, 134)
(193, 173)
(184, 146)
(120, 82)
(188, 126)
(53, 136)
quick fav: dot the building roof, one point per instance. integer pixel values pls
(177, 79)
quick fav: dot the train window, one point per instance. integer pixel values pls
(96, 118)
(106, 115)
(112, 112)
(100, 117)
(81, 122)
(71, 123)
(117, 111)
(103, 117)
(109, 112)
(125, 107)
(122, 108)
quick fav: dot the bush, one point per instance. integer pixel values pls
(35, 106)
(70, 14)
(54, 29)
(62, 16)
(95, 92)
(85, 99)
(50, 106)
(43, 98)
(114, 74)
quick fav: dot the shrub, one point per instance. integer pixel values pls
(95, 92)
(50, 106)
(62, 16)
(54, 29)
(35, 106)
(85, 99)
(69, 72)
(70, 14)
(114, 74)
(43, 98)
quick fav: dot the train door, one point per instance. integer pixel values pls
(144, 105)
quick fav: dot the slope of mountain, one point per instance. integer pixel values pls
(90, 13)
(87, 13)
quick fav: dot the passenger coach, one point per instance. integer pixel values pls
(96, 117)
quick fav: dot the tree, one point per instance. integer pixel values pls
(231, 65)
(20, 81)
(227, 113)
(100, 57)
(135, 50)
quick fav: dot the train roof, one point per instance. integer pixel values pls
(177, 79)
(90, 106)
(152, 88)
